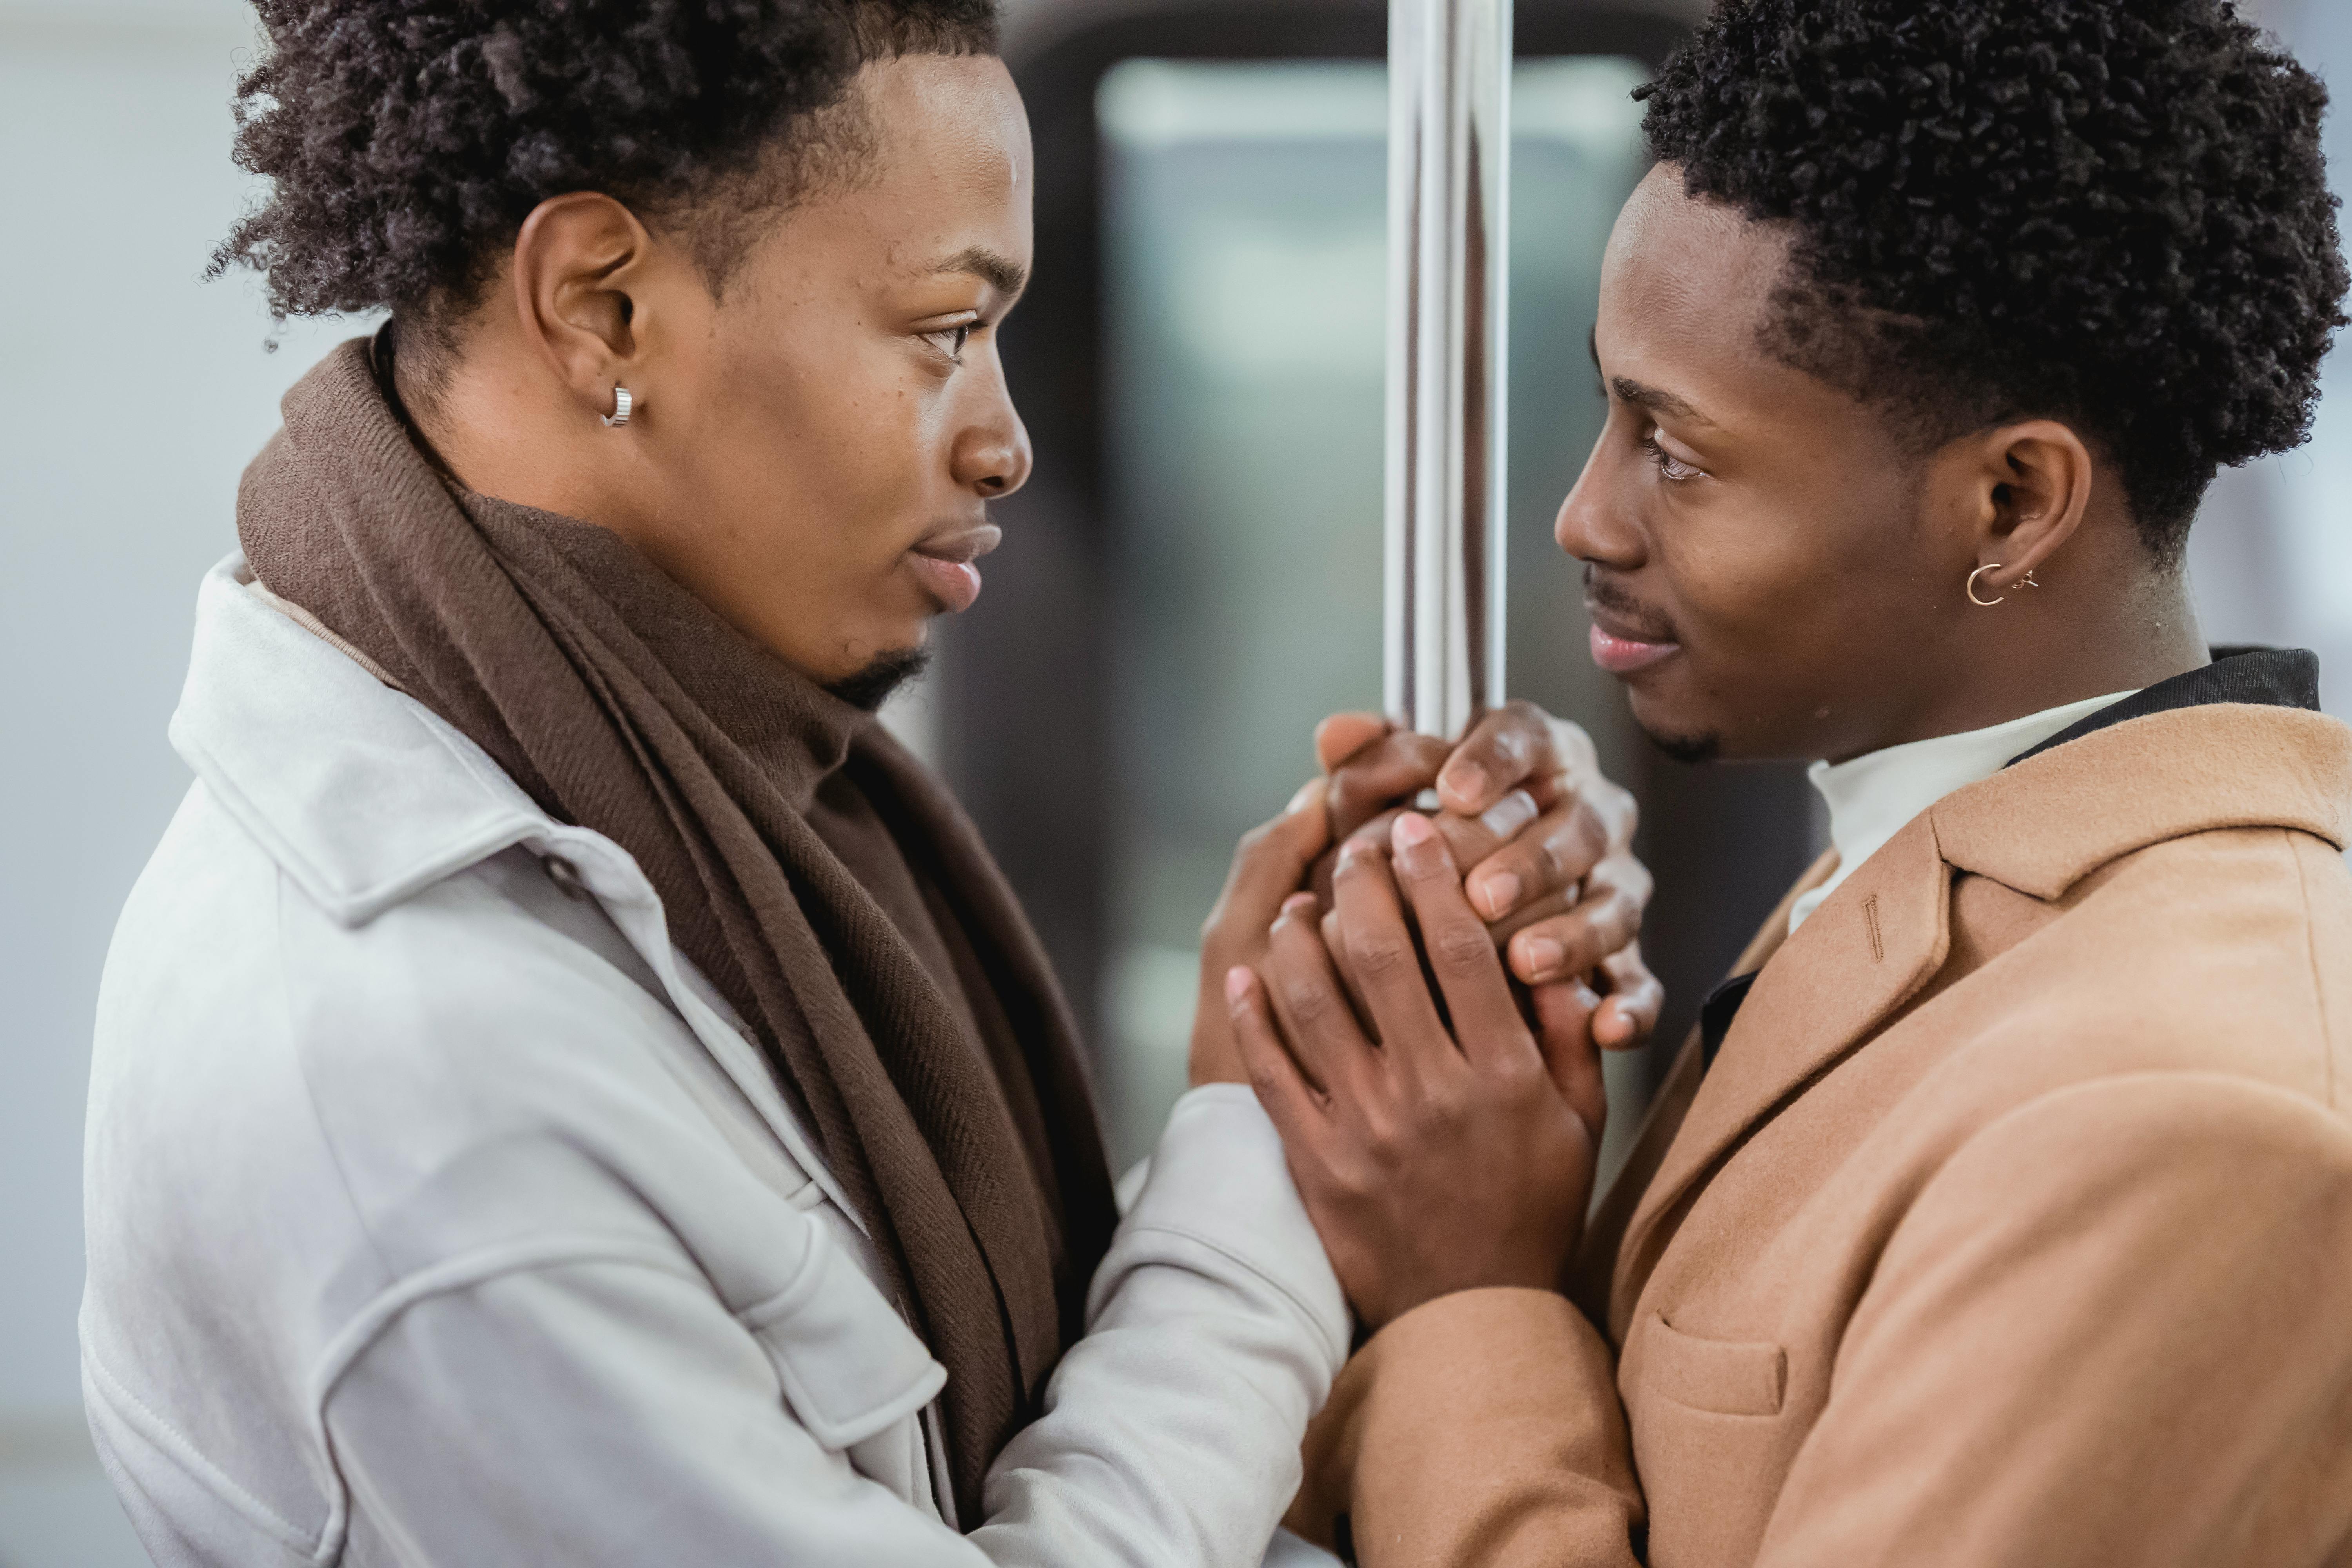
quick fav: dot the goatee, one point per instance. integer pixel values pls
(872, 686)
(1692, 749)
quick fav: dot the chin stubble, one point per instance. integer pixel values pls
(872, 686)
(1694, 749)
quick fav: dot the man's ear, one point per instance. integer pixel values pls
(583, 265)
(2031, 487)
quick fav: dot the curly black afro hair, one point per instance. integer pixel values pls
(2114, 212)
(406, 141)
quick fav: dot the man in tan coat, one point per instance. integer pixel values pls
(1999, 1210)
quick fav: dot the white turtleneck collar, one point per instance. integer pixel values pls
(1872, 797)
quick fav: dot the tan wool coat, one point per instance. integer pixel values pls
(2011, 1226)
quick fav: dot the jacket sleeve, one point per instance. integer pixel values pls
(1482, 1427)
(2110, 1328)
(1171, 1431)
(633, 1419)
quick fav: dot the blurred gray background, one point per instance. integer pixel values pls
(1240, 255)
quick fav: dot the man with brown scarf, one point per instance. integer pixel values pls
(570, 1086)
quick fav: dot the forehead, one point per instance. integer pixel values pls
(950, 145)
(1686, 287)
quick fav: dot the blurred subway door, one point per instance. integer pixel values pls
(1243, 309)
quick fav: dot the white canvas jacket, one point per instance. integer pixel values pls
(440, 1214)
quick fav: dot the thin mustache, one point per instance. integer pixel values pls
(1604, 594)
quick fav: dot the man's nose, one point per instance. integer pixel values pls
(993, 457)
(1593, 523)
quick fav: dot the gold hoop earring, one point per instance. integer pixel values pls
(1988, 603)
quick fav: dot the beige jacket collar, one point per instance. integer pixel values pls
(2040, 827)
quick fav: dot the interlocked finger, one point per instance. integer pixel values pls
(1563, 845)
(1487, 1022)
(1572, 944)
(1629, 1013)
(1382, 959)
(1291, 1102)
(1309, 999)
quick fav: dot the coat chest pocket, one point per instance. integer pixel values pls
(849, 1365)
(1723, 1377)
(1712, 1440)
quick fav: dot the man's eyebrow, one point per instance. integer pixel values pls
(1650, 397)
(999, 271)
(1656, 401)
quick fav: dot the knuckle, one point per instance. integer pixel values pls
(1354, 1175)
(1377, 958)
(1309, 1002)
(1626, 876)
(1588, 836)
(1461, 946)
(1518, 1072)
(1439, 1112)
(1575, 742)
(1547, 864)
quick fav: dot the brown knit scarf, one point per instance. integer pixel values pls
(622, 704)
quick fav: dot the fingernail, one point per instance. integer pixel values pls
(1541, 955)
(1466, 780)
(1296, 903)
(1237, 984)
(1308, 793)
(1498, 890)
(1413, 830)
(1507, 815)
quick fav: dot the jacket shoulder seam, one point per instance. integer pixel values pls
(327, 1139)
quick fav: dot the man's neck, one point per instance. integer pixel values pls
(2057, 646)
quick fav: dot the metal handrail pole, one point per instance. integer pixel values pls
(1449, 227)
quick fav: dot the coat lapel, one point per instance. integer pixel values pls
(1864, 953)
(2038, 826)
(1589, 1277)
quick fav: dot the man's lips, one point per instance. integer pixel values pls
(1625, 650)
(945, 562)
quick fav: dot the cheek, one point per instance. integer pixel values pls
(827, 449)
(1738, 573)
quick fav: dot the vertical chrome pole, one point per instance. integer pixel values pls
(1449, 198)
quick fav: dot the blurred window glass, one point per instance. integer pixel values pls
(1244, 309)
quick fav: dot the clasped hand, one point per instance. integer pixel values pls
(1440, 1121)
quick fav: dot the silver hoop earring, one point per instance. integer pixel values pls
(1979, 571)
(622, 404)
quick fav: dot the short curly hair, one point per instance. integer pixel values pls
(406, 141)
(2113, 213)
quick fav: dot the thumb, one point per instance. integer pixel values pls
(1272, 860)
(1342, 735)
